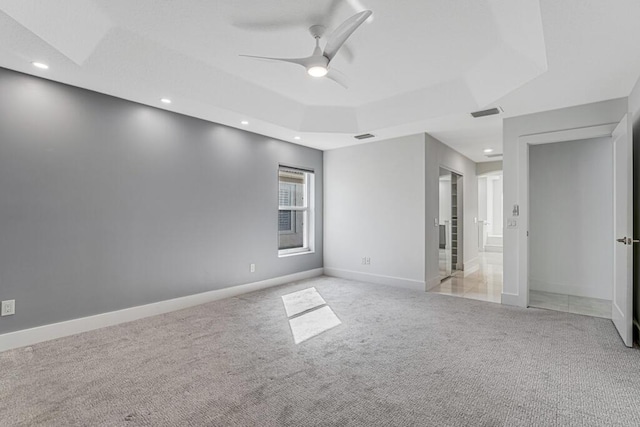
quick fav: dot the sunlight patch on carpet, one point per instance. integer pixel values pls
(301, 301)
(313, 323)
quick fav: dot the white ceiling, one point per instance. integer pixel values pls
(418, 66)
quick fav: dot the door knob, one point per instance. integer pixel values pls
(627, 240)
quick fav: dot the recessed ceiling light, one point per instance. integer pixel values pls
(40, 65)
(297, 138)
(488, 150)
(165, 101)
(244, 122)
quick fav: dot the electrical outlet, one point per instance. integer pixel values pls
(368, 262)
(253, 268)
(8, 307)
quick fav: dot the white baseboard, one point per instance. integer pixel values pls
(376, 278)
(38, 334)
(512, 299)
(471, 266)
(433, 282)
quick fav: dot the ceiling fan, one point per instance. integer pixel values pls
(317, 64)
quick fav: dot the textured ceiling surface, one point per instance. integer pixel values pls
(415, 66)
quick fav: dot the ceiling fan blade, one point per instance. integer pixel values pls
(342, 33)
(299, 61)
(337, 77)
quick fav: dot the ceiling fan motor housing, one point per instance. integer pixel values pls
(317, 31)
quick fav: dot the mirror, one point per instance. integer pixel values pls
(444, 225)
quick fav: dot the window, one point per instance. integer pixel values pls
(286, 222)
(295, 211)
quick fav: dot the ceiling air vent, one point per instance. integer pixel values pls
(489, 112)
(493, 155)
(364, 136)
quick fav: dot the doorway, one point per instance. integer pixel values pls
(490, 204)
(450, 223)
(571, 226)
(621, 242)
(483, 281)
(490, 227)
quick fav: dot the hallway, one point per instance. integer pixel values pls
(485, 284)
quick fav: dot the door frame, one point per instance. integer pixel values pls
(522, 228)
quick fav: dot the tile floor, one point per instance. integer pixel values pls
(485, 284)
(570, 304)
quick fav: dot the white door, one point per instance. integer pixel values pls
(622, 310)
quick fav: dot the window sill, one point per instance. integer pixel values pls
(289, 254)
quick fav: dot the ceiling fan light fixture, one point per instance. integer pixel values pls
(317, 65)
(317, 71)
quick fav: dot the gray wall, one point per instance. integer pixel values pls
(107, 204)
(439, 155)
(374, 208)
(571, 222)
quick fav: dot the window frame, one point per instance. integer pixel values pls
(308, 214)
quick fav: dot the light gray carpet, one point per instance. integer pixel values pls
(399, 358)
